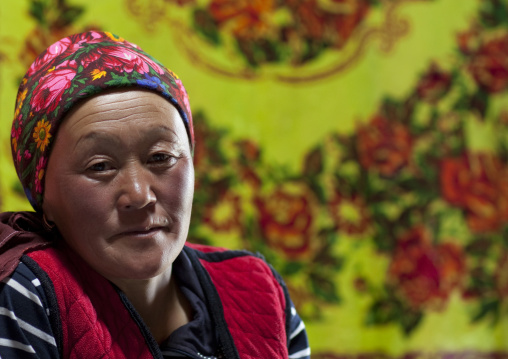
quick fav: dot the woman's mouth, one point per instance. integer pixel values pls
(143, 232)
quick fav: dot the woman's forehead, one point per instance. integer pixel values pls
(123, 115)
(127, 106)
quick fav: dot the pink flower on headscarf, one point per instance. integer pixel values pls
(39, 174)
(16, 132)
(15, 138)
(184, 98)
(120, 59)
(65, 46)
(51, 52)
(51, 87)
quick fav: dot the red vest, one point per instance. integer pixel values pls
(246, 300)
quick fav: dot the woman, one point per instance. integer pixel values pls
(102, 142)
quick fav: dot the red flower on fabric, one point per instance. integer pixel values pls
(51, 52)
(249, 154)
(200, 152)
(433, 85)
(205, 154)
(182, 98)
(245, 18)
(384, 145)
(119, 59)
(425, 274)
(224, 215)
(182, 2)
(489, 65)
(501, 276)
(332, 21)
(15, 134)
(181, 95)
(49, 91)
(39, 174)
(286, 221)
(477, 183)
(468, 41)
(249, 176)
(349, 213)
(61, 48)
(249, 150)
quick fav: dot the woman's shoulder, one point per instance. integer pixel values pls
(22, 221)
(235, 260)
(24, 286)
(20, 232)
(23, 281)
(245, 268)
(25, 317)
(22, 296)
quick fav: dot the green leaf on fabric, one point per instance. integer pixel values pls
(258, 52)
(493, 13)
(70, 14)
(36, 10)
(118, 80)
(479, 247)
(29, 126)
(29, 168)
(384, 239)
(204, 23)
(324, 287)
(479, 102)
(313, 163)
(383, 311)
(481, 282)
(488, 308)
(291, 268)
(89, 90)
(409, 320)
(311, 50)
(504, 237)
(317, 189)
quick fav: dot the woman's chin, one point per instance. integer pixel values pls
(140, 267)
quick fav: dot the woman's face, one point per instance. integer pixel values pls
(120, 182)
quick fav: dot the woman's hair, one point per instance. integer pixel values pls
(70, 70)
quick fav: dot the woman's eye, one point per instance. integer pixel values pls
(99, 167)
(161, 158)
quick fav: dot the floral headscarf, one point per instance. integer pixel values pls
(74, 68)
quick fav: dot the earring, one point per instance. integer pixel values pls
(47, 225)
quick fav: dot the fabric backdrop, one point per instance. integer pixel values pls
(360, 145)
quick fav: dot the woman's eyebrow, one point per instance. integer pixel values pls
(163, 129)
(99, 136)
(168, 133)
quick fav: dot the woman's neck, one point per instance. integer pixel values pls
(160, 303)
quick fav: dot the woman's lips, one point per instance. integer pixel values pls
(142, 233)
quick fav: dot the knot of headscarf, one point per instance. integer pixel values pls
(74, 68)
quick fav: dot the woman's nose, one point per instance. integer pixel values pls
(135, 189)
